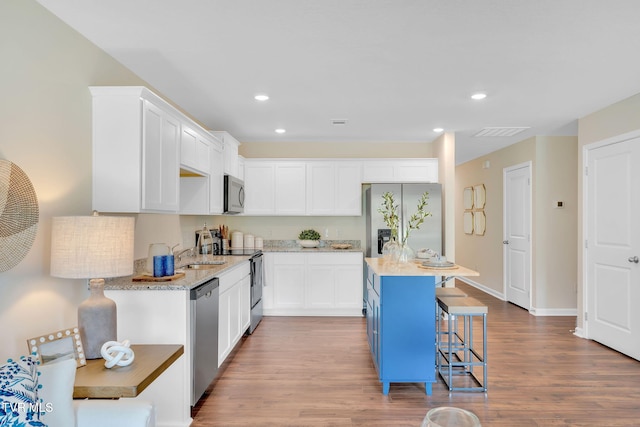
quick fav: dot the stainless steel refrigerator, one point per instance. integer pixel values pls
(429, 236)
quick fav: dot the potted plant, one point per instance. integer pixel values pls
(309, 238)
(389, 211)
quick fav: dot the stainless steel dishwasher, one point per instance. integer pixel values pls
(204, 337)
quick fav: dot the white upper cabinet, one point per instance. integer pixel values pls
(136, 151)
(259, 187)
(324, 187)
(348, 194)
(230, 146)
(321, 185)
(216, 179)
(399, 170)
(160, 160)
(274, 187)
(149, 157)
(290, 186)
(195, 151)
(334, 188)
(240, 168)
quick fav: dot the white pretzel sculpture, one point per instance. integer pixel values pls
(115, 353)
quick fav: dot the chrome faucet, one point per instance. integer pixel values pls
(179, 255)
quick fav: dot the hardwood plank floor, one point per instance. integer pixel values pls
(298, 371)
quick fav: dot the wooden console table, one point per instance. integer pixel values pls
(97, 382)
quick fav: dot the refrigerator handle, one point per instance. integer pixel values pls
(403, 221)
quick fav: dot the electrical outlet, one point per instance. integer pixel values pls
(326, 232)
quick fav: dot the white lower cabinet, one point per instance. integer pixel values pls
(234, 308)
(313, 284)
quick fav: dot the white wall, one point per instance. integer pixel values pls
(444, 148)
(45, 129)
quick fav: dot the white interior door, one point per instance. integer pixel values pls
(613, 245)
(517, 234)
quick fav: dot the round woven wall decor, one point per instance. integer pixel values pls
(18, 215)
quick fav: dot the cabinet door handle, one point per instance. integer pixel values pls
(633, 259)
(505, 242)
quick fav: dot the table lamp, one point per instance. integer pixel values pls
(93, 247)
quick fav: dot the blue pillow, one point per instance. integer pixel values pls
(19, 402)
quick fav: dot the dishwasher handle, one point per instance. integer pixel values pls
(204, 289)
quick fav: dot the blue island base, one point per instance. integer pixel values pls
(385, 388)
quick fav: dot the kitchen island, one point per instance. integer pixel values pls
(401, 315)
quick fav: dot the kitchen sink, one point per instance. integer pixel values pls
(210, 264)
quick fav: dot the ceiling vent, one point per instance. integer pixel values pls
(339, 122)
(501, 131)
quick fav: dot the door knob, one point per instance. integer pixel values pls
(633, 259)
(505, 242)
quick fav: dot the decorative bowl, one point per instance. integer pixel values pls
(309, 243)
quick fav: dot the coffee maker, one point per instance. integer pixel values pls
(213, 247)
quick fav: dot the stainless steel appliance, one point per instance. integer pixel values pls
(204, 337)
(212, 246)
(429, 236)
(233, 195)
(257, 282)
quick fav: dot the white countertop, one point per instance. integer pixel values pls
(383, 267)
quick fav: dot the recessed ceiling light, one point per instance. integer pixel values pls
(478, 96)
(280, 130)
(261, 97)
(438, 129)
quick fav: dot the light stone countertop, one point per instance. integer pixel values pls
(309, 250)
(191, 279)
(383, 267)
(325, 246)
(195, 277)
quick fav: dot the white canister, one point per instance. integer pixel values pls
(258, 242)
(249, 241)
(237, 240)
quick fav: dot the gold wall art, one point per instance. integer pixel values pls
(474, 220)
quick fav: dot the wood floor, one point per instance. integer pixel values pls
(296, 371)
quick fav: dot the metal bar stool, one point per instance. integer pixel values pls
(456, 359)
(445, 292)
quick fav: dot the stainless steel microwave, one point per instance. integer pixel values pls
(233, 195)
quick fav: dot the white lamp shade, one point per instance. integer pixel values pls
(86, 247)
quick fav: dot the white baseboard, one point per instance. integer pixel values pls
(554, 311)
(483, 288)
(534, 311)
